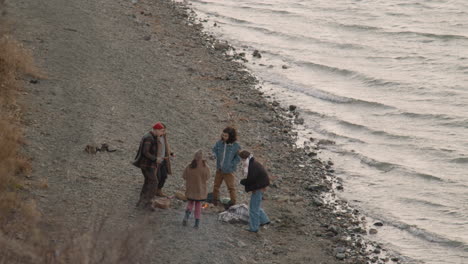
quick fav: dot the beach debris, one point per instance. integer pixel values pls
(180, 195)
(162, 203)
(238, 213)
(93, 149)
(257, 54)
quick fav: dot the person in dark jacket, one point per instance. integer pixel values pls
(255, 182)
(147, 160)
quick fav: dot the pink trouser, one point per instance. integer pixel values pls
(198, 205)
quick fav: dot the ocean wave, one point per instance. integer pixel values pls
(267, 10)
(245, 7)
(324, 95)
(379, 165)
(385, 166)
(304, 38)
(373, 29)
(360, 27)
(443, 120)
(428, 235)
(327, 96)
(245, 24)
(422, 202)
(463, 160)
(231, 19)
(428, 177)
(445, 37)
(350, 73)
(443, 117)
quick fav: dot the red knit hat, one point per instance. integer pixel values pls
(158, 125)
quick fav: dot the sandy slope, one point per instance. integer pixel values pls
(108, 84)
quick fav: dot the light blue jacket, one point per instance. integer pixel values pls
(230, 154)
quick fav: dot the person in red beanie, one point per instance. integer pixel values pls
(153, 159)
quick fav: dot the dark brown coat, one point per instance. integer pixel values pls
(147, 152)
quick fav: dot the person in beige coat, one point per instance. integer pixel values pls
(196, 175)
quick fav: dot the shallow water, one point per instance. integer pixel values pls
(388, 82)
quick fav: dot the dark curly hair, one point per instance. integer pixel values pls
(232, 134)
(244, 154)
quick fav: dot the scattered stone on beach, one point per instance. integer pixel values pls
(317, 188)
(340, 250)
(284, 67)
(378, 224)
(373, 231)
(325, 142)
(340, 256)
(335, 229)
(222, 46)
(395, 259)
(299, 121)
(257, 54)
(317, 202)
(292, 108)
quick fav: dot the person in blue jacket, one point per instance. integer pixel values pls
(226, 152)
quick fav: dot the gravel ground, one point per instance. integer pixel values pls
(114, 68)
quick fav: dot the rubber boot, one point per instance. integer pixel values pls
(197, 224)
(186, 218)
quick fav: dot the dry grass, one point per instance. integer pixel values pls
(15, 211)
(18, 215)
(20, 238)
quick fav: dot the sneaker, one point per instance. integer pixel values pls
(252, 231)
(267, 223)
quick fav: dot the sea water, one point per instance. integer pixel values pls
(387, 81)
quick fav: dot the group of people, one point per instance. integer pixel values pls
(154, 159)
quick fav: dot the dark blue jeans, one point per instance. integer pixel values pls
(256, 214)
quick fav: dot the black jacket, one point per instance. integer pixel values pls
(257, 177)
